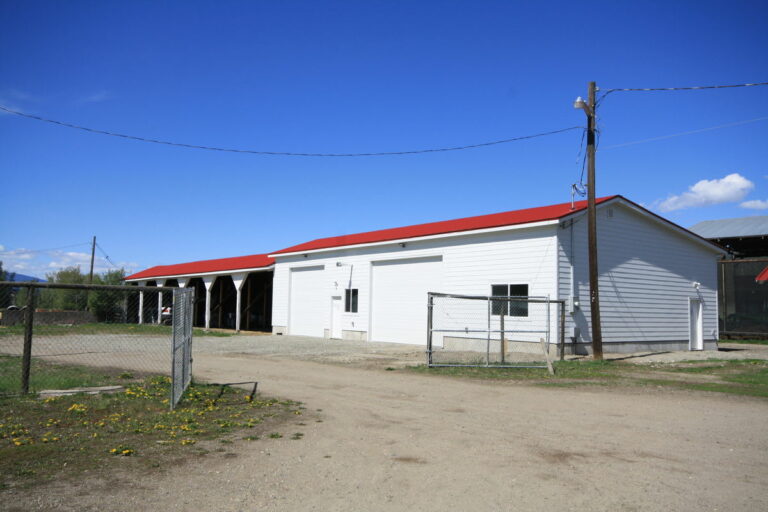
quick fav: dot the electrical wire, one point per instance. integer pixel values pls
(581, 157)
(26, 251)
(690, 132)
(606, 92)
(282, 153)
(106, 256)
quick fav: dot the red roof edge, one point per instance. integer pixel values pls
(510, 218)
(205, 266)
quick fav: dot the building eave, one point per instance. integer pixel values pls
(512, 227)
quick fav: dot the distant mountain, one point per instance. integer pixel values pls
(22, 277)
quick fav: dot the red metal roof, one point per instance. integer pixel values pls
(762, 276)
(528, 215)
(201, 267)
(493, 220)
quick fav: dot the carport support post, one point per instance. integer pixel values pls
(141, 304)
(208, 282)
(239, 280)
(160, 282)
(26, 358)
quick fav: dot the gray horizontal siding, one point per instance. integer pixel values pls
(646, 275)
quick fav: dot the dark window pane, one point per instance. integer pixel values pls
(499, 306)
(518, 308)
(350, 300)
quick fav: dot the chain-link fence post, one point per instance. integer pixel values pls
(26, 360)
(430, 305)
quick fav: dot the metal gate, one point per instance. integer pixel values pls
(498, 331)
(181, 343)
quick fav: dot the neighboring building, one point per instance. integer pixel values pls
(746, 237)
(743, 296)
(658, 281)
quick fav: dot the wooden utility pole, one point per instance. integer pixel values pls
(93, 254)
(594, 295)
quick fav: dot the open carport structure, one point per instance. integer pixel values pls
(230, 293)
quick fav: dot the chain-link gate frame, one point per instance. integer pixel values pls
(100, 326)
(181, 343)
(476, 321)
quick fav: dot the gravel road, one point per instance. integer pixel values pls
(394, 441)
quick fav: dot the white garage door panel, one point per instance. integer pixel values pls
(399, 306)
(308, 302)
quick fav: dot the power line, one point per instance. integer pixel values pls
(692, 88)
(25, 251)
(281, 153)
(106, 256)
(690, 132)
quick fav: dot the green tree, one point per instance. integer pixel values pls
(65, 300)
(6, 292)
(108, 305)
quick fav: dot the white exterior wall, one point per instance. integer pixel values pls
(647, 270)
(471, 264)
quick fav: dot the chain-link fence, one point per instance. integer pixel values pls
(743, 300)
(467, 330)
(58, 336)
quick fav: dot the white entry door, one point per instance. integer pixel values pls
(308, 302)
(336, 310)
(696, 327)
(399, 298)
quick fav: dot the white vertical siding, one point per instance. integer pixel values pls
(646, 277)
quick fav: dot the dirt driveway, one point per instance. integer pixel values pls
(398, 441)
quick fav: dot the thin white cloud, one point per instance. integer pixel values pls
(13, 98)
(96, 97)
(40, 263)
(730, 189)
(22, 95)
(755, 204)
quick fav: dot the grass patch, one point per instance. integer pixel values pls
(749, 342)
(64, 437)
(563, 370)
(105, 328)
(44, 375)
(740, 377)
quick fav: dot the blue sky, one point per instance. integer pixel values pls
(357, 77)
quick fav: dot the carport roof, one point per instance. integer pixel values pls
(205, 266)
(494, 220)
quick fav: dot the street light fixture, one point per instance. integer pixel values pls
(579, 103)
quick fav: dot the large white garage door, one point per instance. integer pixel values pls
(399, 298)
(309, 302)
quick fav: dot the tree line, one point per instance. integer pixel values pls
(104, 304)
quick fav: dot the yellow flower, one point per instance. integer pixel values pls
(78, 408)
